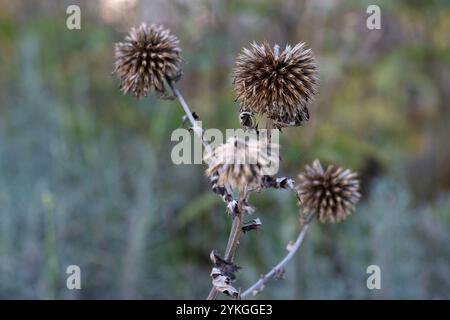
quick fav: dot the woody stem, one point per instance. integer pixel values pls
(236, 228)
(233, 238)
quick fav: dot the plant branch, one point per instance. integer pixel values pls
(233, 241)
(195, 127)
(236, 228)
(235, 234)
(258, 286)
(188, 112)
(233, 238)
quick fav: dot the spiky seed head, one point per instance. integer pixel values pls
(331, 193)
(147, 56)
(242, 162)
(278, 84)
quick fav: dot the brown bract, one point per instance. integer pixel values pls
(149, 55)
(278, 84)
(331, 193)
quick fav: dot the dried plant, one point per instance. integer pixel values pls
(223, 274)
(241, 162)
(331, 193)
(149, 55)
(278, 85)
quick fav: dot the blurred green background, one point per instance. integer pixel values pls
(86, 176)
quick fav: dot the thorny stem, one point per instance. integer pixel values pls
(258, 286)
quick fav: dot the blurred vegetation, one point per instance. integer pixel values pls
(86, 176)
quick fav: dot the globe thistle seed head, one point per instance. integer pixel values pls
(278, 84)
(241, 162)
(331, 193)
(148, 56)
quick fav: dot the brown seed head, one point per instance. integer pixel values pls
(278, 84)
(331, 193)
(148, 55)
(241, 162)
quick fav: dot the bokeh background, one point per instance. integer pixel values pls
(86, 176)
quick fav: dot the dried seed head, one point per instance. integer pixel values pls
(241, 162)
(331, 193)
(278, 84)
(148, 55)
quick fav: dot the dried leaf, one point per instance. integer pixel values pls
(223, 283)
(290, 246)
(222, 274)
(258, 290)
(226, 268)
(280, 273)
(254, 224)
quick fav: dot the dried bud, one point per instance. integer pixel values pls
(241, 162)
(149, 55)
(247, 119)
(331, 193)
(280, 85)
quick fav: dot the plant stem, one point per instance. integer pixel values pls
(236, 228)
(198, 130)
(235, 234)
(188, 113)
(259, 285)
(233, 239)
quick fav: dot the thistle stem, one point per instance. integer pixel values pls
(195, 127)
(233, 238)
(235, 234)
(259, 285)
(212, 294)
(189, 114)
(233, 241)
(236, 228)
